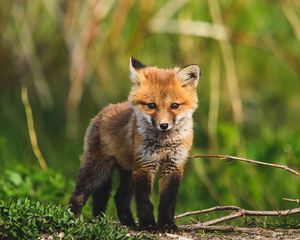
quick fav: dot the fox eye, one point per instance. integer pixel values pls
(151, 105)
(174, 106)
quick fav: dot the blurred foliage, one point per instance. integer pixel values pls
(21, 182)
(73, 57)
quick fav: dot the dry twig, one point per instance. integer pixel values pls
(240, 212)
(292, 200)
(228, 157)
(31, 130)
(216, 208)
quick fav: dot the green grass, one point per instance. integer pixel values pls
(28, 219)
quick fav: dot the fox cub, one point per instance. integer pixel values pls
(151, 132)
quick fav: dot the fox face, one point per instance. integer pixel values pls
(163, 98)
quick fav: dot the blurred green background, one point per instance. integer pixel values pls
(73, 58)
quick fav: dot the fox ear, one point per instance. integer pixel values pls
(189, 75)
(134, 67)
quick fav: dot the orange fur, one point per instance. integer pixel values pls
(161, 86)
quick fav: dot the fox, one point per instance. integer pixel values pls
(151, 133)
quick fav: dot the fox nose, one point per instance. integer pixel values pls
(164, 126)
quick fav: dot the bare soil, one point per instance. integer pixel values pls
(243, 234)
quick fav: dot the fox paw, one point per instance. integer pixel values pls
(150, 228)
(168, 227)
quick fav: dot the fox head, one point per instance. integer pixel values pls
(164, 98)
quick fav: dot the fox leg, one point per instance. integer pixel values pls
(81, 192)
(143, 181)
(94, 176)
(123, 198)
(90, 179)
(169, 184)
(100, 197)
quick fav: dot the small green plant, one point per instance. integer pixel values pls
(27, 219)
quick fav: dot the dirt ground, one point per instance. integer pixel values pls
(243, 234)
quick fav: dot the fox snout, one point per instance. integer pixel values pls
(162, 125)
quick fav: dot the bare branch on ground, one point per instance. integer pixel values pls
(240, 212)
(216, 208)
